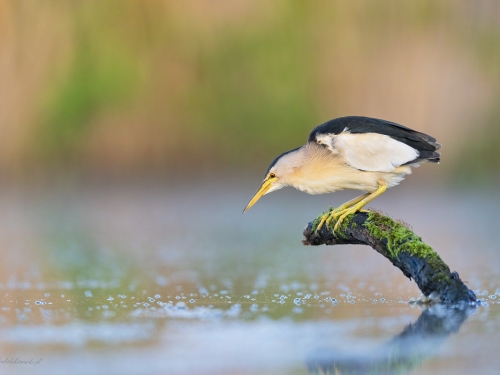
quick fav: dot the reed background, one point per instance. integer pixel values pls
(165, 88)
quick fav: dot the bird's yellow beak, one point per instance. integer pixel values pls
(263, 189)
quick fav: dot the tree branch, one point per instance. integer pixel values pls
(417, 260)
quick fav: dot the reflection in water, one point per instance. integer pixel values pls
(417, 343)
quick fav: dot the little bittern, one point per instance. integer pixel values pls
(352, 152)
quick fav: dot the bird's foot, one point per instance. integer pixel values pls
(351, 207)
(329, 216)
(341, 213)
(326, 218)
(340, 216)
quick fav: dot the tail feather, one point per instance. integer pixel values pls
(430, 156)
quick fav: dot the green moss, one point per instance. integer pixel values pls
(346, 223)
(318, 219)
(400, 239)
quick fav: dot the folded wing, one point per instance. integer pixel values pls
(375, 145)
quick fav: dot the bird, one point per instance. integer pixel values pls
(352, 152)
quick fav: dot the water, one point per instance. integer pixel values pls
(163, 278)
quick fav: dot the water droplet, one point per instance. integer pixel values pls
(145, 304)
(157, 296)
(180, 305)
(191, 300)
(38, 303)
(110, 298)
(151, 299)
(88, 293)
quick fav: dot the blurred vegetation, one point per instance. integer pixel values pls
(256, 89)
(127, 86)
(102, 73)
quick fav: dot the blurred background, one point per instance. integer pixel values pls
(169, 88)
(133, 133)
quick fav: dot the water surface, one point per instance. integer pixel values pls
(173, 279)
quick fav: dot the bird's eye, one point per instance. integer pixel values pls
(272, 175)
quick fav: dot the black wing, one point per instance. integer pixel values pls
(425, 144)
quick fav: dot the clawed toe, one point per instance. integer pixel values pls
(339, 214)
(344, 214)
(349, 208)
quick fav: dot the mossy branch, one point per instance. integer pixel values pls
(407, 251)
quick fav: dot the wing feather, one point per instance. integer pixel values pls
(371, 152)
(360, 125)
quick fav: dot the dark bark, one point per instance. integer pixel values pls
(402, 247)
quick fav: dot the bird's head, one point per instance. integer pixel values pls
(279, 174)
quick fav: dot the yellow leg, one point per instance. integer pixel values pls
(355, 208)
(341, 208)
